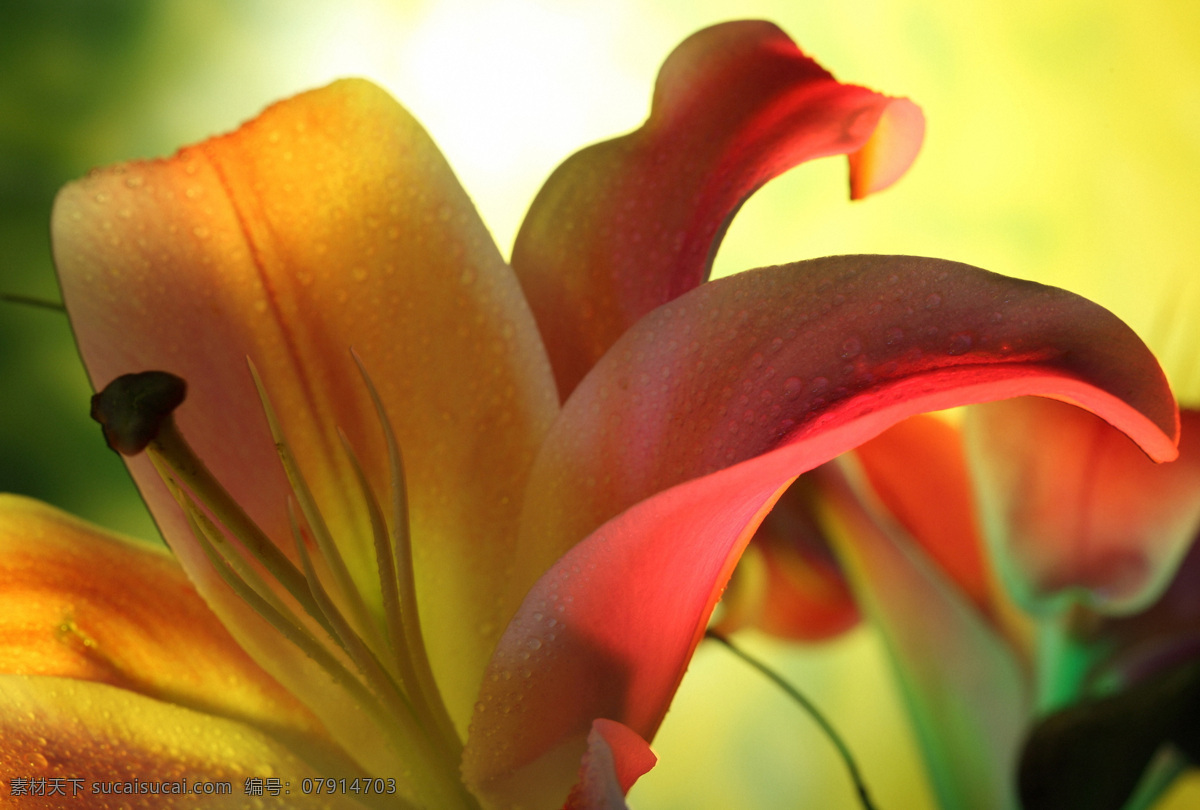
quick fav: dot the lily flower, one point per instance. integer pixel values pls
(465, 521)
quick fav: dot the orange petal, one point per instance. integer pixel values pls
(626, 225)
(800, 593)
(1074, 511)
(328, 223)
(919, 472)
(669, 454)
(86, 744)
(80, 603)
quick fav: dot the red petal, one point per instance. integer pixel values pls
(626, 225)
(1073, 510)
(784, 369)
(615, 759)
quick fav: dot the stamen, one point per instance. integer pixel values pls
(364, 658)
(397, 577)
(136, 412)
(386, 566)
(133, 408)
(808, 706)
(282, 622)
(172, 450)
(401, 698)
(240, 565)
(330, 552)
(376, 704)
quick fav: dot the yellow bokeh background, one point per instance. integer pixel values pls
(1063, 146)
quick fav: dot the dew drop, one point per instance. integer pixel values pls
(819, 384)
(960, 343)
(201, 232)
(933, 301)
(894, 335)
(534, 643)
(851, 348)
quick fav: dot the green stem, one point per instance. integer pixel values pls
(29, 300)
(808, 706)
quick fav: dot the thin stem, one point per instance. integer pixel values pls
(29, 300)
(809, 707)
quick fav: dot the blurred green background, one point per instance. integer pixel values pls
(1063, 146)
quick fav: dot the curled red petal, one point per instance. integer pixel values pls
(667, 457)
(629, 224)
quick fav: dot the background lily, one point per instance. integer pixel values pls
(1085, 532)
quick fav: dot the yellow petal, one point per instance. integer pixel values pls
(330, 222)
(79, 603)
(78, 743)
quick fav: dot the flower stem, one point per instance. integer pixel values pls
(31, 301)
(809, 707)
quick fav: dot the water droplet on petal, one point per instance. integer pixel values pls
(933, 301)
(960, 343)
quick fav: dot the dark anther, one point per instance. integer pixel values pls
(132, 408)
